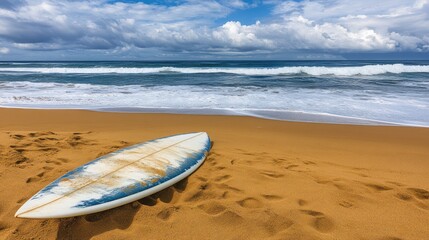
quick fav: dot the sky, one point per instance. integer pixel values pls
(213, 30)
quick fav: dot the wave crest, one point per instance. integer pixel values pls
(292, 70)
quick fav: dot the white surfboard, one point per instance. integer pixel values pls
(119, 178)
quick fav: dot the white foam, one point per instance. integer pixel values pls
(351, 103)
(310, 70)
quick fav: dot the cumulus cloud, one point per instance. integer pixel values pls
(191, 26)
(4, 50)
(401, 24)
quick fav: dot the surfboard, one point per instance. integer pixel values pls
(120, 177)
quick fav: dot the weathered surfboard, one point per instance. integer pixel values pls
(120, 177)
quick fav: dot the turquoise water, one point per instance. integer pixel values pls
(325, 91)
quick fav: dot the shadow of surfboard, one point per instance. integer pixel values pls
(87, 226)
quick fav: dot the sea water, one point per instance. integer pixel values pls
(360, 92)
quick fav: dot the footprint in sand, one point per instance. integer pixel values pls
(250, 203)
(53, 162)
(202, 179)
(320, 222)
(272, 174)
(277, 223)
(228, 217)
(23, 145)
(225, 195)
(76, 139)
(323, 224)
(211, 158)
(419, 193)
(309, 163)
(63, 160)
(378, 187)
(312, 213)
(395, 183)
(35, 178)
(343, 186)
(118, 146)
(291, 167)
(222, 178)
(272, 197)
(204, 186)
(17, 136)
(20, 150)
(3, 226)
(40, 144)
(20, 160)
(22, 200)
(323, 181)
(302, 202)
(48, 149)
(40, 134)
(212, 207)
(229, 188)
(166, 213)
(199, 194)
(404, 196)
(43, 139)
(33, 134)
(345, 204)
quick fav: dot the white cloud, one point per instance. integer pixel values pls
(381, 25)
(326, 26)
(301, 33)
(4, 50)
(235, 35)
(235, 3)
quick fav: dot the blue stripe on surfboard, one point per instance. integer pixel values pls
(75, 173)
(138, 187)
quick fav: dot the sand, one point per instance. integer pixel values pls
(263, 179)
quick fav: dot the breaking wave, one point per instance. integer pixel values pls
(292, 70)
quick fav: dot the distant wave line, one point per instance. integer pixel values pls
(290, 70)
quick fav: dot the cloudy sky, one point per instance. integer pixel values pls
(206, 29)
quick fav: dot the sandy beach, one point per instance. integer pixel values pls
(263, 179)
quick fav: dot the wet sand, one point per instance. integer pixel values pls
(263, 179)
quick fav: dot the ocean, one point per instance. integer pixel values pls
(358, 92)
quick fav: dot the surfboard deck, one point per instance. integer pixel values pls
(120, 177)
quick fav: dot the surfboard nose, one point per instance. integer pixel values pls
(19, 213)
(23, 211)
